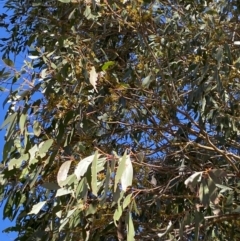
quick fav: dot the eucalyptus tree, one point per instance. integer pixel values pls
(123, 123)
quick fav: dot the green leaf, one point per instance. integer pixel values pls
(9, 120)
(63, 192)
(223, 188)
(117, 196)
(198, 219)
(69, 180)
(147, 81)
(121, 168)
(22, 122)
(218, 79)
(34, 176)
(92, 209)
(88, 13)
(83, 166)
(107, 180)
(65, 1)
(193, 180)
(36, 128)
(108, 64)
(204, 193)
(140, 157)
(66, 219)
(127, 175)
(127, 200)
(16, 163)
(8, 208)
(63, 171)
(33, 155)
(94, 174)
(130, 228)
(135, 207)
(44, 146)
(82, 188)
(219, 55)
(212, 189)
(37, 207)
(117, 214)
(8, 62)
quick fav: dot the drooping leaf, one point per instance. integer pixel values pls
(204, 193)
(193, 179)
(127, 175)
(94, 174)
(36, 128)
(63, 171)
(67, 218)
(83, 165)
(127, 200)
(82, 188)
(117, 214)
(9, 120)
(121, 168)
(130, 228)
(22, 122)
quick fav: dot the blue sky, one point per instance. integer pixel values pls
(5, 223)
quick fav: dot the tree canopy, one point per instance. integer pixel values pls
(123, 122)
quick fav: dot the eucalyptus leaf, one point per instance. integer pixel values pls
(63, 171)
(83, 165)
(37, 207)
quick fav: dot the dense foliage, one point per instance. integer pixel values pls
(123, 123)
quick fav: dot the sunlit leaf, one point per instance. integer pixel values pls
(108, 64)
(193, 179)
(63, 191)
(117, 214)
(147, 81)
(63, 171)
(17, 162)
(33, 57)
(37, 207)
(130, 228)
(94, 174)
(83, 165)
(127, 175)
(127, 200)
(121, 168)
(36, 128)
(44, 146)
(22, 122)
